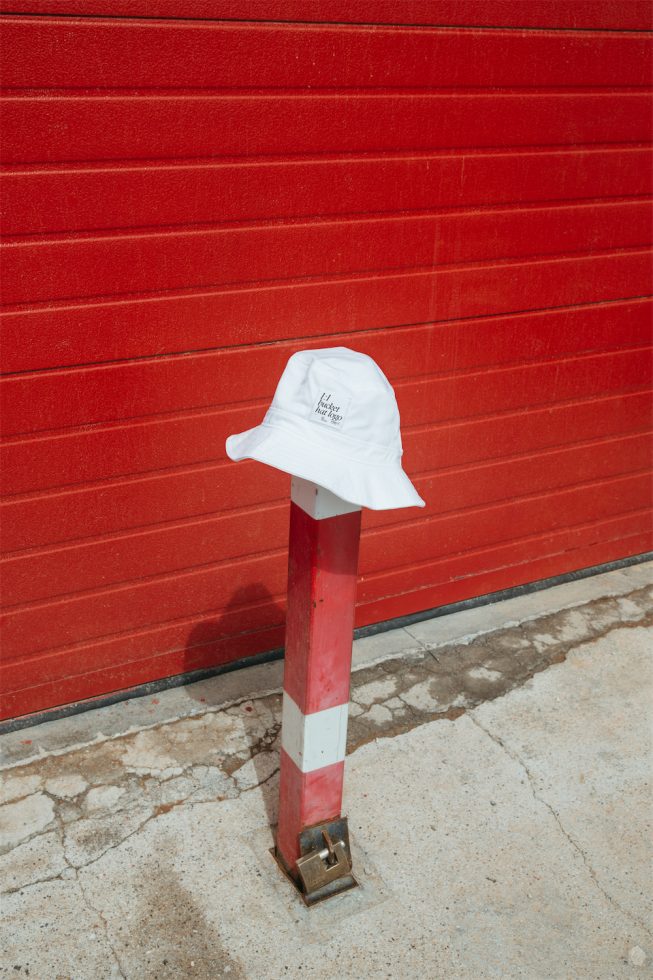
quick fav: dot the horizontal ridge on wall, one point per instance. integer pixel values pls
(52, 128)
(192, 382)
(164, 443)
(39, 199)
(108, 329)
(260, 610)
(586, 15)
(512, 338)
(97, 54)
(63, 269)
(468, 398)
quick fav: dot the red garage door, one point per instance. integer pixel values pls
(196, 190)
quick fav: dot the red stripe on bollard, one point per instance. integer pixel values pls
(306, 798)
(322, 564)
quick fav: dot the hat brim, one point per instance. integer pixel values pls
(379, 487)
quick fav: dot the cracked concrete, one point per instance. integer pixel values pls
(556, 816)
(522, 742)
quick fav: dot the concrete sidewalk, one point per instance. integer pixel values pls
(497, 791)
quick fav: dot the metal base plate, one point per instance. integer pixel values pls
(311, 839)
(333, 888)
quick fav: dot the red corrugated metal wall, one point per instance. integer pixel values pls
(194, 192)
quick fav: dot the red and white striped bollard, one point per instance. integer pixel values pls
(322, 573)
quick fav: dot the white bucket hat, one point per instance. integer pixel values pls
(334, 421)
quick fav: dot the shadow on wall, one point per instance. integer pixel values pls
(252, 621)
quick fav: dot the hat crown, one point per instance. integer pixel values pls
(341, 391)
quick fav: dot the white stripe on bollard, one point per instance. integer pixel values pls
(315, 740)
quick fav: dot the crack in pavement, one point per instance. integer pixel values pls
(66, 874)
(105, 924)
(514, 755)
(160, 811)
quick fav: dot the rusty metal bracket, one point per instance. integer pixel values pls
(324, 864)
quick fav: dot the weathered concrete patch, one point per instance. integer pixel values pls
(375, 690)
(33, 860)
(145, 754)
(479, 880)
(23, 818)
(87, 839)
(484, 674)
(378, 714)
(13, 786)
(447, 678)
(257, 770)
(421, 696)
(66, 786)
(103, 798)
(630, 611)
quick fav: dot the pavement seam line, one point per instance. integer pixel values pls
(512, 754)
(421, 643)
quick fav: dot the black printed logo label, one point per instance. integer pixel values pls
(330, 409)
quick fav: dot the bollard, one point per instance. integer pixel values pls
(322, 566)
(334, 421)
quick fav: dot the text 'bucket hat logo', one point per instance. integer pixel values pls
(334, 421)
